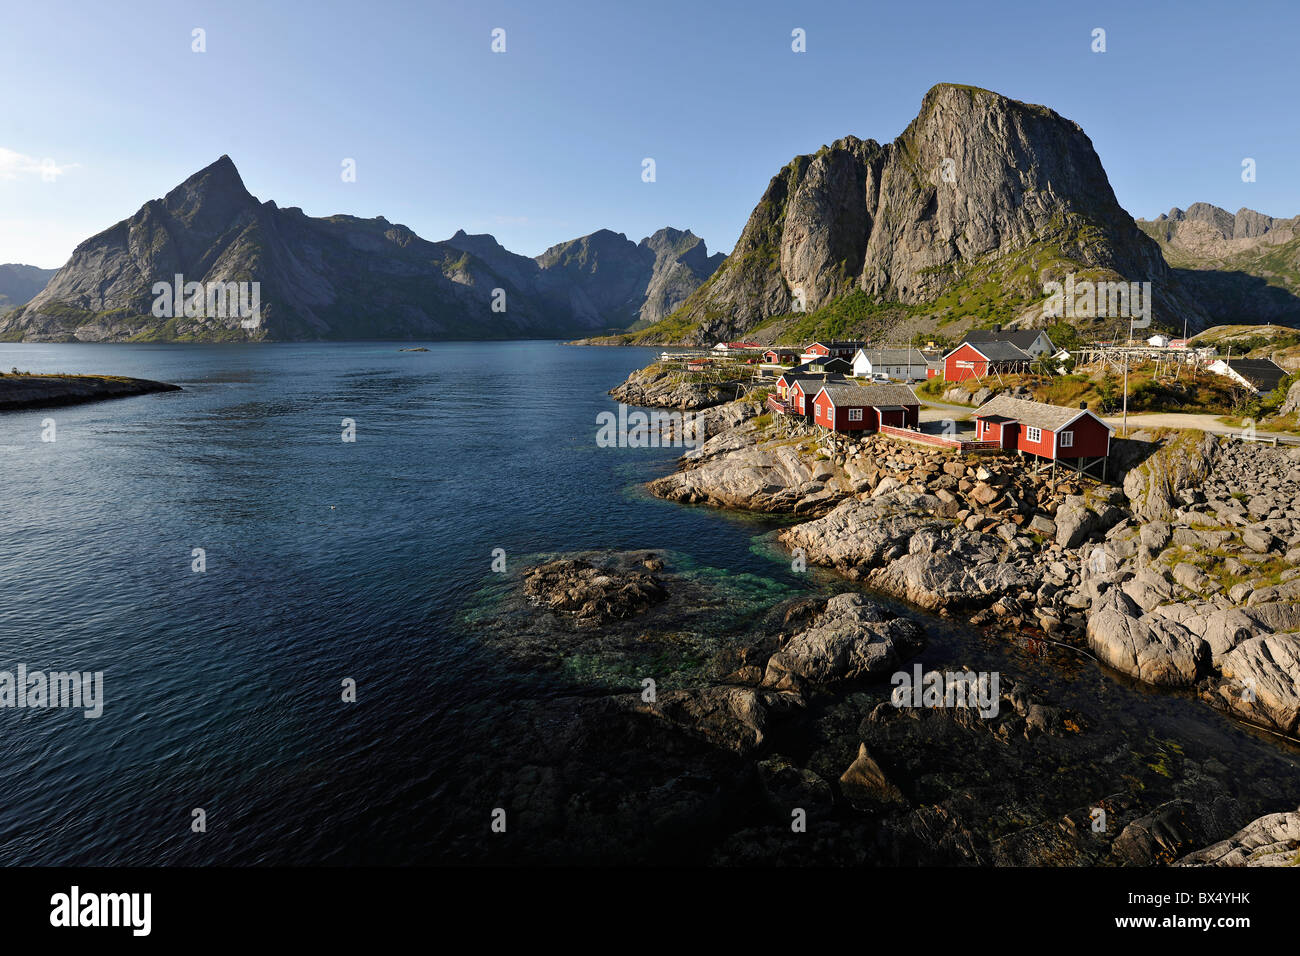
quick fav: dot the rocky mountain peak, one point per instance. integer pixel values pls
(979, 191)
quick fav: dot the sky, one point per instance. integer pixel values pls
(106, 106)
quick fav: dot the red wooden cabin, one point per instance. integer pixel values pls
(855, 408)
(1052, 432)
(975, 361)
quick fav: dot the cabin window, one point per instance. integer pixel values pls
(1067, 439)
(855, 414)
(1034, 434)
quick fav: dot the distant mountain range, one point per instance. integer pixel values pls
(19, 283)
(1244, 267)
(962, 221)
(341, 277)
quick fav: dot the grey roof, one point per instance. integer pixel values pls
(1000, 351)
(893, 356)
(878, 394)
(1022, 338)
(1264, 374)
(817, 379)
(1037, 414)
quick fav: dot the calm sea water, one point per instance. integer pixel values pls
(325, 560)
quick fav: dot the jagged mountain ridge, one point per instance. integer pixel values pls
(966, 215)
(338, 277)
(1244, 266)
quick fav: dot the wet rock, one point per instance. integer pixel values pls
(865, 783)
(590, 596)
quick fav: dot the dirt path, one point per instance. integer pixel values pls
(1201, 422)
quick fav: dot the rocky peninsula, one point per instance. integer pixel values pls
(21, 390)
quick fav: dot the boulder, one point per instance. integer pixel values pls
(1148, 647)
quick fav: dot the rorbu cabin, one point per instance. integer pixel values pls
(1051, 433)
(970, 360)
(858, 408)
(781, 357)
(845, 350)
(798, 391)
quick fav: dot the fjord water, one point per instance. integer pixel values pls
(328, 560)
(325, 560)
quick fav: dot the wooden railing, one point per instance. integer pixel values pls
(776, 405)
(943, 441)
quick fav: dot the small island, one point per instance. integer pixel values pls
(19, 390)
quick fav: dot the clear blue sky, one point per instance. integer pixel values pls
(545, 142)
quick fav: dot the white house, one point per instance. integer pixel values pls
(907, 365)
(1159, 341)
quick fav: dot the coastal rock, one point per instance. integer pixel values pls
(731, 717)
(1182, 462)
(662, 386)
(590, 596)
(44, 391)
(1271, 840)
(866, 783)
(851, 639)
(1263, 675)
(1146, 646)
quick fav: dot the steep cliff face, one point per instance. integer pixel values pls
(972, 209)
(331, 278)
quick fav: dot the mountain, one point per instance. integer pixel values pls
(18, 283)
(1244, 266)
(338, 277)
(961, 219)
(635, 284)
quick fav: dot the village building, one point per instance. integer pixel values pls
(906, 364)
(1051, 433)
(737, 347)
(1260, 376)
(834, 365)
(969, 360)
(845, 350)
(1034, 341)
(854, 408)
(792, 384)
(781, 357)
(1159, 341)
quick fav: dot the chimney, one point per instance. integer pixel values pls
(998, 327)
(1083, 405)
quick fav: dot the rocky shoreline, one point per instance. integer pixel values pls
(22, 391)
(1183, 576)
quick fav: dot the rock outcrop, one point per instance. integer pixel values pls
(1272, 840)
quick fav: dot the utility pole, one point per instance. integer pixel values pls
(1127, 345)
